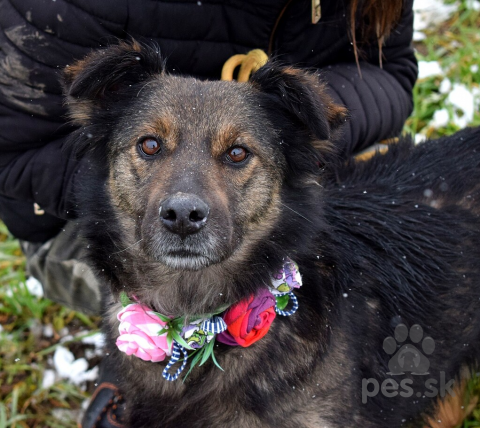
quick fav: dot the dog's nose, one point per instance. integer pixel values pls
(183, 213)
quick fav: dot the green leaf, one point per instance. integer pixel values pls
(282, 301)
(208, 351)
(221, 309)
(124, 299)
(193, 363)
(180, 340)
(3, 415)
(85, 319)
(215, 361)
(197, 357)
(164, 318)
(189, 356)
(163, 331)
(176, 325)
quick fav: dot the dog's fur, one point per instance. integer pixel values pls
(394, 239)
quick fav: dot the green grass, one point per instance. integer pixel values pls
(456, 46)
(25, 352)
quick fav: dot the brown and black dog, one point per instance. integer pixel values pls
(197, 190)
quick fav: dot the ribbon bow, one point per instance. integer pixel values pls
(213, 326)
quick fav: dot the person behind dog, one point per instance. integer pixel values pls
(362, 49)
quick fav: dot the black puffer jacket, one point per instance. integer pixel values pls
(38, 38)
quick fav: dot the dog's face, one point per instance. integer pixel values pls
(197, 166)
(196, 169)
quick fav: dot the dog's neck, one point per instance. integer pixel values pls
(152, 336)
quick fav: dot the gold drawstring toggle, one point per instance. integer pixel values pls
(248, 63)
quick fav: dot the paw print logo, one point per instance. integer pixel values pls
(408, 358)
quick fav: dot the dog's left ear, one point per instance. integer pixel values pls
(303, 96)
(91, 85)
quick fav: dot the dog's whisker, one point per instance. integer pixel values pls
(143, 87)
(296, 212)
(130, 246)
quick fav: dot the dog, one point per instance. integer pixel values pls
(198, 192)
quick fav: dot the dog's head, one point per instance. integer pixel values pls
(200, 174)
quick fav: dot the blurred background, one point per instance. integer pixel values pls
(49, 355)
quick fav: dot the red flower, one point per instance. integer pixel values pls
(248, 320)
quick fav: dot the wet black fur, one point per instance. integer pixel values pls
(398, 235)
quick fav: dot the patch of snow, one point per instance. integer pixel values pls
(62, 360)
(48, 330)
(446, 86)
(428, 69)
(97, 339)
(473, 4)
(90, 375)
(430, 13)
(418, 36)
(64, 334)
(474, 67)
(78, 369)
(419, 138)
(464, 100)
(48, 378)
(440, 118)
(75, 370)
(34, 287)
(65, 416)
(92, 353)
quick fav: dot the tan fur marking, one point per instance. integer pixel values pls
(225, 138)
(452, 410)
(82, 113)
(335, 113)
(165, 128)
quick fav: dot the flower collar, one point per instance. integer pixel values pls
(152, 336)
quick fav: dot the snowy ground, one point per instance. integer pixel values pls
(430, 13)
(461, 102)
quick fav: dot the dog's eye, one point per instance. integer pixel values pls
(237, 154)
(149, 146)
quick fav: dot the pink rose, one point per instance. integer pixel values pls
(139, 327)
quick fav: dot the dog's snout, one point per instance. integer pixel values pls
(183, 214)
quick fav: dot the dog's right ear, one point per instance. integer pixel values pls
(303, 96)
(93, 83)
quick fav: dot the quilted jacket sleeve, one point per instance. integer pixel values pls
(380, 100)
(44, 176)
(34, 165)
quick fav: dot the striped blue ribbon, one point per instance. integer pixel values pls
(214, 325)
(173, 359)
(292, 310)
